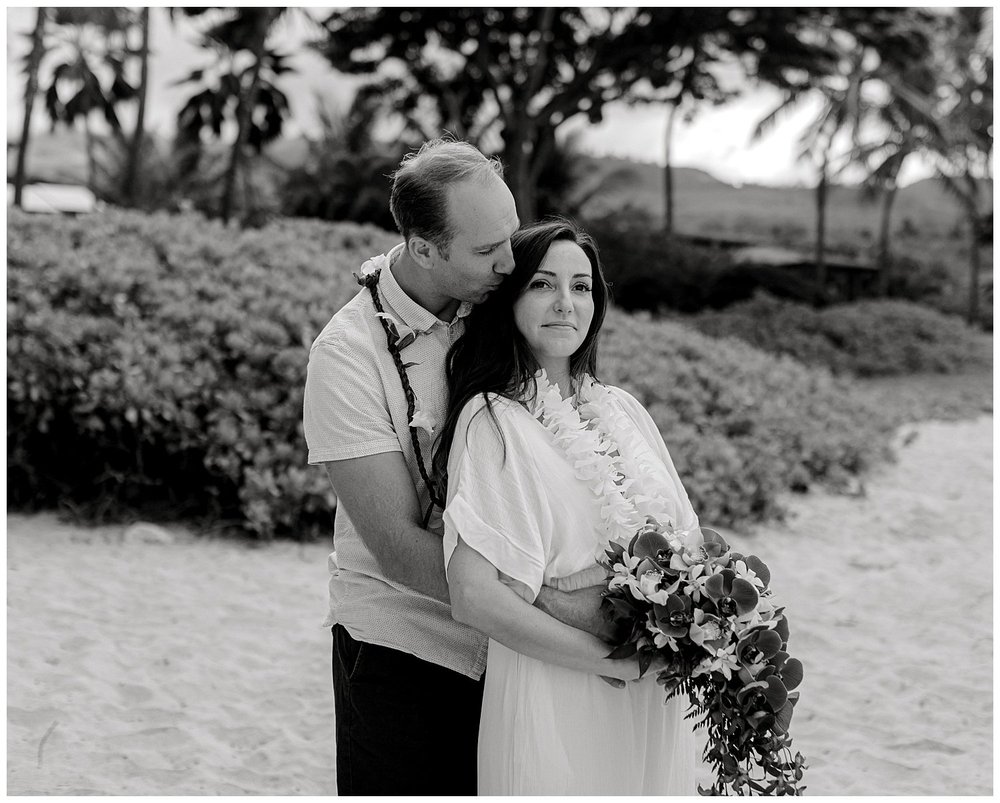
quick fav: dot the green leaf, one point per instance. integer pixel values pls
(622, 608)
(623, 651)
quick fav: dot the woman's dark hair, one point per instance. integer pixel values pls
(493, 356)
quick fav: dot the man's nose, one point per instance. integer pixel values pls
(505, 260)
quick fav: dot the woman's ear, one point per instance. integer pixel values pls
(423, 252)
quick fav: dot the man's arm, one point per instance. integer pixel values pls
(581, 608)
(378, 494)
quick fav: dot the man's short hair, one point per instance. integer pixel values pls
(418, 201)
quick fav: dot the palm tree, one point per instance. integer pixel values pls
(34, 59)
(904, 121)
(249, 89)
(869, 47)
(130, 192)
(339, 179)
(964, 147)
(841, 110)
(92, 46)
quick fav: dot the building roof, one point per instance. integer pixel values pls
(54, 198)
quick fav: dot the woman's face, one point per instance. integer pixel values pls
(555, 308)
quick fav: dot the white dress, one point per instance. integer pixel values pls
(547, 730)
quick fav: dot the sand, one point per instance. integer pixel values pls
(198, 666)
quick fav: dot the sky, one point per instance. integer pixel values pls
(717, 140)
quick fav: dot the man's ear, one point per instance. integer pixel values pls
(423, 252)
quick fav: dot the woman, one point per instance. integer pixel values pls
(537, 457)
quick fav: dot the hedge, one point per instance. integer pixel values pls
(159, 362)
(742, 426)
(155, 366)
(863, 338)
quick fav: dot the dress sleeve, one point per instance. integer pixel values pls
(496, 494)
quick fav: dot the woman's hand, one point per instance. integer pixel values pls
(482, 600)
(630, 671)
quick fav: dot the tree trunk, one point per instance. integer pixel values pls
(135, 147)
(88, 140)
(518, 175)
(972, 315)
(884, 236)
(668, 171)
(244, 115)
(819, 293)
(30, 90)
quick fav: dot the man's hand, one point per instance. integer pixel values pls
(580, 609)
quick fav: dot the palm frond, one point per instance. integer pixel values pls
(770, 120)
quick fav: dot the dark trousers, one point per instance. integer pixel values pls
(404, 726)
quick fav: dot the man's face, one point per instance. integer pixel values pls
(483, 218)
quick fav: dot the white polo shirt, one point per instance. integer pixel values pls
(354, 406)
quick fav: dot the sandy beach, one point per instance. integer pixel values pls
(198, 666)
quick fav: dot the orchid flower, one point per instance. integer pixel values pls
(422, 419)
(731, 594)
(675, 617)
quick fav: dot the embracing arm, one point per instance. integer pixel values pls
(378, 494)
(480, 599)
(581, 608)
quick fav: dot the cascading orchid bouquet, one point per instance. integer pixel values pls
(711, 615)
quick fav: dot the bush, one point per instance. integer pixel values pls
(649, 270)
(159, 362)
(345, 174)
(156, 364)
(742, 426)
(740, 282)
(652, 271)
(864, 338)
(915, 280)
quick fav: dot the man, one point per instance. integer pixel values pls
(407, 677)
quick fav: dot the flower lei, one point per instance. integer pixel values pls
(607, 454)
(368, 277)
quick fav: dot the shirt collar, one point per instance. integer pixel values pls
(409, 311)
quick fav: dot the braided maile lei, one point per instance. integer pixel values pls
(395, 346)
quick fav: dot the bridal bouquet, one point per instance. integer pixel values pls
(710, 614)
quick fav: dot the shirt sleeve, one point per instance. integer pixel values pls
(496, 495)
(345, 412)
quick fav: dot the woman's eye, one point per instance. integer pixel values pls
(538, 283)
(582, 287)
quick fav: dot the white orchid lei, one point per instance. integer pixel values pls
(607, 454)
